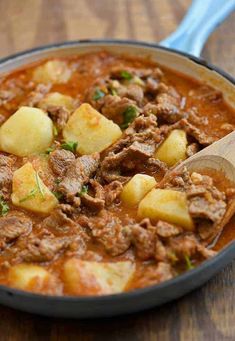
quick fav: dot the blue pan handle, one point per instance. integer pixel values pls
(201, 19)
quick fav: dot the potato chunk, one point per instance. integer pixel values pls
(168, 205)
(29, 192)
(91, 130)
(173, 149)
(27, 276)
(27, 131)
(53, 71)
(136, 189)
(93, 278)
(57, 99)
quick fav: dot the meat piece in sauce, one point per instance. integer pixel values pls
(60, 160)
(59, 115)
(97, 202)
(153, 274)
(112, 192)
(78, 174)
(6, 174)
(134, 151)
(108, 230)
(13, 226)
(46, 248)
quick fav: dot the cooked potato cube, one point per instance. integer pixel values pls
(27, 276)
(93, 278)
(91, 130)
(29, 192)
(168, 205)
(57, 99)
(54, 71)
(27, 131)
(173, 149)
(136, 189)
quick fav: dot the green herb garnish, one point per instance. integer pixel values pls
(113, 92)
(39, 186)
(98, 94)
(58, 195)
(55, 130)
(30, 195)
(49, 150)
(57, 181)
(188, 262)
(126, 75)
(3, 206)
(70, 145)
(128, 116)
(84, 191)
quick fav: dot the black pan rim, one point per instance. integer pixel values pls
(230, 248)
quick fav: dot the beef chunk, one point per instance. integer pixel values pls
(13, 226)
(136, 158)
(166, 106)
(114, 107)
(58, 114)
(167, 230)
(59, 220)
(192, 149)
(37, 95)
(6, 96)
(6, 175)
(112, 192)
(197, 133)
(77, 174)
(134, 151)
(96, 202)
(108, 230)
(188, 245)
(47, 248)
(59, 161)
(143, 237)
(199, 207)
(132, 91)
(153, 274)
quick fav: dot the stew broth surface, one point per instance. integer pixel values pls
(88, 73)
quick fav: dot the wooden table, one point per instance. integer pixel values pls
(205, 314)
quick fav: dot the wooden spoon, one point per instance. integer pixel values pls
(219, 156)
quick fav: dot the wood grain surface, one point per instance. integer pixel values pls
(205, 314)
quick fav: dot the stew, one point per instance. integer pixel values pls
(85, 143)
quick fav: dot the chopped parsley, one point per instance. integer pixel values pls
(84, 191)
(49, 150)
(34, 191)
(70, 145)
(57, 181)
(128, 116)
(138, 81)
(98, 94)
(30, 195)
(3, 207)
(58, 195)
(113, 92)
(39, 186)
(188, 262)
(55, 130)
(126, 75)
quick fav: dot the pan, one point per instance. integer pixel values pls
(180, 52)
